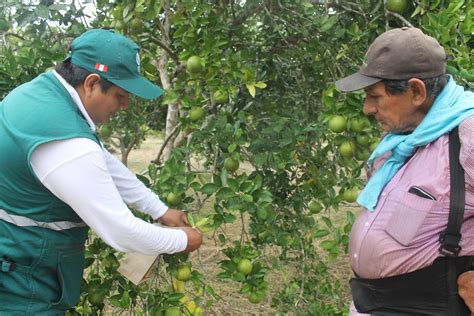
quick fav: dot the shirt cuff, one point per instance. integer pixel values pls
(157, 209)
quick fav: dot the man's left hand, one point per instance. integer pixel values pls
(174, 218)
(466, 288)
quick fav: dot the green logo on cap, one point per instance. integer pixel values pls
(137, 58)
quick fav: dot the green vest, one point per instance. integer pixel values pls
(48, 255)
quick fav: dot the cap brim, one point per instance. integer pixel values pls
(355, 81)
(139, 86)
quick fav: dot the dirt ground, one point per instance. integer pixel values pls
(207, 258)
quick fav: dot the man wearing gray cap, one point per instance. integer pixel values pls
(414, 240)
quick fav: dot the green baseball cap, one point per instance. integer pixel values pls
(115, 58)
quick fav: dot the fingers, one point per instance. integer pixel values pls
(194, 238)
(185, 219)
(466, 288)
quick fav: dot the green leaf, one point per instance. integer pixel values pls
(327, 221)
(42, 11)
(233, 184)
(328, 23)
(209, 188)
(222, 238)
(251, 89)
(232, 148)
(57, 7)
(416, 12)
(320, 233)
(247, 198)
(327, 244)
(454, 6)
(261, 159)
(261, 85)
(265, 196)
(175, 296)
(246, 186)
(225, 193)
(224, 177)
(229, 218)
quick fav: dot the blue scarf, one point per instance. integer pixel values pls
(450, 108)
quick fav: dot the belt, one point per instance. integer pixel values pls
(23, 221)
(428, 291)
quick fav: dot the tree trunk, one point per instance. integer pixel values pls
(173, 108)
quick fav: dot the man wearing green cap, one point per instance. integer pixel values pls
(56, 180)
(414, 240)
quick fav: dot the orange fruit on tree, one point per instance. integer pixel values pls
(172, 199)
(255, 297)
(347, 149)
(315, 207)
(183, 273)
(397, 6)
(194, 65)
(245, 266)
(173, 311)
(350, 195)
(231, 165)
(220, 97)
(196, 113)
(337, 123)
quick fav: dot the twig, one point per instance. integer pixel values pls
(157, 159)
(244, 232)
(241, 19)
(300, 296)
(166, 48)
(216, 158)
(12, 34)
(345, 8)
(129, 148)
(82, 16)
(401, 18)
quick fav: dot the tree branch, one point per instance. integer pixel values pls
(157, 159)
(166, 48)
(401, 18)
(14, 35)
(346, 8)
(252, 9)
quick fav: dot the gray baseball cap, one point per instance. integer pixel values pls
(398, 54)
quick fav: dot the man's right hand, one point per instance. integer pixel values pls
(194, 238)
(466, 288)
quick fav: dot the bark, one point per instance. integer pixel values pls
(173, 108)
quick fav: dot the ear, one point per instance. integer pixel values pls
(90, 83)
(417, 89)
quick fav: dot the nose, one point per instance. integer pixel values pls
(369, 108)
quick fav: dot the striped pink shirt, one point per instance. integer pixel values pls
(402, 234)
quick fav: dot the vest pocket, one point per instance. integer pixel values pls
(70, 268)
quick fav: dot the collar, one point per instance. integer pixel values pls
(75, 97)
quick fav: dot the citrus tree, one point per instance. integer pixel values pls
(255, 135)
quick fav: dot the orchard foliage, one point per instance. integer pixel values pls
(250, 83)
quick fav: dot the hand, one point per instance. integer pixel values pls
(466, 288)
(174, 218)
(194, 238)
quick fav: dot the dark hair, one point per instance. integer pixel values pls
(433, 85)
(75, 75)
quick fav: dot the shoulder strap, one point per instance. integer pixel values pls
(451, 237)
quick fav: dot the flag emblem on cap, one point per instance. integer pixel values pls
(101, 67)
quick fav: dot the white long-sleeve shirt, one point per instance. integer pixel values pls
(99, 187)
